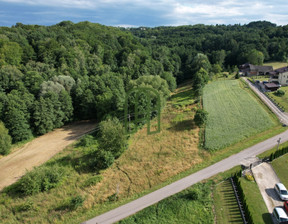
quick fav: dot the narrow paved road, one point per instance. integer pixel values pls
(156, 196)
(282, 116)
(38, 151)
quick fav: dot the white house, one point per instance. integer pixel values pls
(280, 75)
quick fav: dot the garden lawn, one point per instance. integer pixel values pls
(280, 167)
(281, 100)
(234, 114)
(253, 197)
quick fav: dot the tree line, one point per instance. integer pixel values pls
(52, 75)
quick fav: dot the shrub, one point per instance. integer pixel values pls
(200, 117)
(249, 177)
(279, 93)
(103, 159)
(26, 206)
(193, 195)
(88, 140)
(40, 179)
(76, 202)
(113, 197)
(92, 181)
(112, 137)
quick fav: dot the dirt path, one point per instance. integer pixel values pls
(38, 151)
(266, 179)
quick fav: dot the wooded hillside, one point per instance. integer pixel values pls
(51, 75)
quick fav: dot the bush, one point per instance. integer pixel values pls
(193, 195)
(40, 179)
(76, 202)
(92, 181)
(26, 206)
(200, 117)
(88, 140)
(249, 177)
(112, 137)
(279, 93)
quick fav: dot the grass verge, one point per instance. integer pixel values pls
(280, 167)
(256, 204)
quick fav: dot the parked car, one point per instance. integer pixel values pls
(280, 215)
(281, 191)
(286, 206)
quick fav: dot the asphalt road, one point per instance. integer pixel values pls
(156, 196)
(281, 115)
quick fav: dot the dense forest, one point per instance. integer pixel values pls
(52, 75)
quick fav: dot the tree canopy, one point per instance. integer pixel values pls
(51, 75)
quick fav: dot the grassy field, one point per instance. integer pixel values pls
(234, 114)
(193, 205)
(226, 207)
(276, 65)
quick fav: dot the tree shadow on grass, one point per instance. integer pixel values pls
(14, 191)
(183, 125)
(181, 96)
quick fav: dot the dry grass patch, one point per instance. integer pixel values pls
(152, 159)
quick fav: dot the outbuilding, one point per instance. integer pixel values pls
(271, 86)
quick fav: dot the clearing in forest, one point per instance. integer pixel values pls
(234, 114)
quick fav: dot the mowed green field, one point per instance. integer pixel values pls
(234, 114)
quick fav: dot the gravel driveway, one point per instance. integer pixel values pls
(266, 179)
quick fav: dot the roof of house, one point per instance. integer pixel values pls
(281, 70)
(258, 68)
(271, 85)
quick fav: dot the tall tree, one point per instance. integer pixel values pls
(17, 125)
(112, 137)
(5, 140)
(255, 57)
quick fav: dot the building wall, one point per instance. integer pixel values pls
(283, 79)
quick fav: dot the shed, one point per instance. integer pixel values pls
(271, 86)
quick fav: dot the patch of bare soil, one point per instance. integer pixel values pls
(38, 151)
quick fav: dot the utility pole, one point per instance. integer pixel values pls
(278, 143)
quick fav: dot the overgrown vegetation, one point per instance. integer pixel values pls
(193, 205)
(38, 180)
